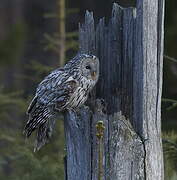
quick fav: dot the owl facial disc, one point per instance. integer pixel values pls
(90, 67)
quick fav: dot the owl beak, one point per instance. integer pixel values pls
(93, 75)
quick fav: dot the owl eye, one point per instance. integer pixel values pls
(87, 67)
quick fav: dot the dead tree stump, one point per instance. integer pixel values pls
(127, 97)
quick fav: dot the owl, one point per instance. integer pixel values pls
(64, 89)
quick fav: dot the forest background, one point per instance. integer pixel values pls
(31, 45)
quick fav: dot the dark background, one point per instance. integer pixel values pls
(27, 29)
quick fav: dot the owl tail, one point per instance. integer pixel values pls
(42, 120)
(44, 132)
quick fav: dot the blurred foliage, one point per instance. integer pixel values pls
(11, 46)
(172, 102)
(17, 159)
(170, 155)
(52, 43)
(52, 40)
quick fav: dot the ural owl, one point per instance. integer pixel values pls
(63, 89)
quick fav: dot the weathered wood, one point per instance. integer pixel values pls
(127, 97)
(78, 133)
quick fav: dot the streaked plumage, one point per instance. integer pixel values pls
(63, 89)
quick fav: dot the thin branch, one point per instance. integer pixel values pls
(174, 103)
(174, 145)
(170, 58)
(169, 100)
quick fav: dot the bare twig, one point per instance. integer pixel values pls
(173, 101)
(170, 58)
(174, 145)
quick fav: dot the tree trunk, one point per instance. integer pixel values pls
(62, 34)
(127, 98)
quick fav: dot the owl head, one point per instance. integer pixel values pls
(86, 65)
(89, 66)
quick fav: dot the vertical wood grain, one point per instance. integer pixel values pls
(127, 97)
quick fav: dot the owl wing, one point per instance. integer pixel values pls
(64, 93)
(54, 91)
(52, 94)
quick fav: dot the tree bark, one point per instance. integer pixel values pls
(127, 97)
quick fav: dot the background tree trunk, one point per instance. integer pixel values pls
(127, 97)
(62, 32)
